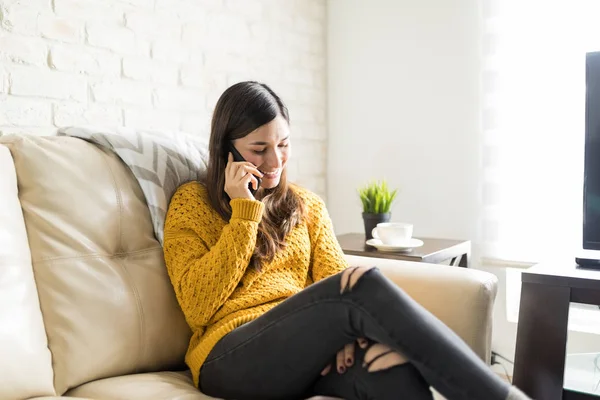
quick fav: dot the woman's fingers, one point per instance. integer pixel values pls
(362, 343)
(248, 175)
(254, 182)
(233, 169)
(345, 357)
(236, 172)
(349, 354)
(229, 164)
(252, 169)
(245, 169)
(238, 175)
(249, 178)
(340, 361)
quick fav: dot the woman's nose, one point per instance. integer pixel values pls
(274, 159)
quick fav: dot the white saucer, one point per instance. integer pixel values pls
(408, 246)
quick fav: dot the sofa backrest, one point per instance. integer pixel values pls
(107, 303)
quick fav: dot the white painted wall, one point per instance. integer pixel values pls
(404, 105)
(162, 64)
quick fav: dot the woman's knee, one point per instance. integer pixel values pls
(380, 357)
(352, 275)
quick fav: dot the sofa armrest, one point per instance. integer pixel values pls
(461, 298)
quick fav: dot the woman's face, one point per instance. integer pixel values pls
(268, 147)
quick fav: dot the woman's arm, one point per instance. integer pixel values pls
(203, 276)
(327, 257)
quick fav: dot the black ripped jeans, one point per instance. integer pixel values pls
(280, 355)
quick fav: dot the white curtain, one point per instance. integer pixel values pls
(533, 125)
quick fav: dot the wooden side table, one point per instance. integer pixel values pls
(434, 251)
(542, 330)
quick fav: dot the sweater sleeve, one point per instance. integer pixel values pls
(204, 276)
(327, 257)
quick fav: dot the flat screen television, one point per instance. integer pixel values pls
(591, 182)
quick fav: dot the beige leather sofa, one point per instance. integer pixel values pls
(86, 306)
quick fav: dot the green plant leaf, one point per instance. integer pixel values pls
(376, 197)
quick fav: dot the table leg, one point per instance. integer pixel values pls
(541, 340)
(464, 261)
(460, 261)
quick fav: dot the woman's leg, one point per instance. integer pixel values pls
(280, 354)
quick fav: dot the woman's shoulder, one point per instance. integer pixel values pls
(312, 201)
(191, 190)
(305, 194)
(189, 195)
(188, 201)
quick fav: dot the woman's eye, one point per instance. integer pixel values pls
(284, 145)
(258, 151)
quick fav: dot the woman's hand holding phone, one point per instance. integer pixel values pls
(238, 175)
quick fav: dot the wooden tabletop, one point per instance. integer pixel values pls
(433, 250)
(563, 273)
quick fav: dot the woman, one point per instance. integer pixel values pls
(272, 304)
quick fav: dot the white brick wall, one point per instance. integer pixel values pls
(162, 64)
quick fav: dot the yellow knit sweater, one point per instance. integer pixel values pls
(207, 260)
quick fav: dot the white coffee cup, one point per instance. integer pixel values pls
(393, 233)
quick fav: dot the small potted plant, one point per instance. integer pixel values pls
(377, 200)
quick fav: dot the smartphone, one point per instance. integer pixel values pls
(238, 158)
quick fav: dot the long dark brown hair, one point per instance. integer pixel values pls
(241, 109)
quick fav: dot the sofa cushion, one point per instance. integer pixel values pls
(59, 398)
(161, 161)
(149, 386)
(25, 361)
(107, 302)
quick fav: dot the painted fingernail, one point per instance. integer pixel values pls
(349, 361)
(342, 369)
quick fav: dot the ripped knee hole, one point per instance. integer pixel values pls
(379, 357)
(350, 276)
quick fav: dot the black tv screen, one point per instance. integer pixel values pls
(591, 191)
